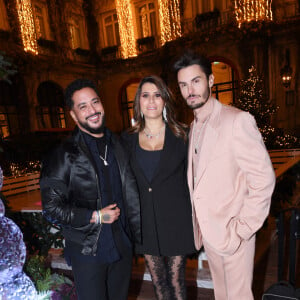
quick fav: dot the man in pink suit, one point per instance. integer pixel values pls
(231, 180)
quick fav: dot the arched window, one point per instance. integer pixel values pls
(147, 20)
(51, 109)
(225, 85)
(9, 120)
(127, 94)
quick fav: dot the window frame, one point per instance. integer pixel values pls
(77, 22)
(138, 6)
(4, 24)
(45, 20)
(115, 28)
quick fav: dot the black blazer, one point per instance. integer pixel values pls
(165, 203)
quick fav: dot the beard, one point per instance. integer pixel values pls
(204, 96)
(97, 130)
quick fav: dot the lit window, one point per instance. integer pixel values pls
(3, 17)
(203, 6)
(78, 33)
(51, 111)
(4, 129)
(225, 84)
(127, 99)
(41, 20)
(75, 35)
(112, 36)
(147, 20)
(9, 119)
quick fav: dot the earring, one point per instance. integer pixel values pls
(142, 115)
(165, 114)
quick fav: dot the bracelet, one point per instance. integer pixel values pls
(99, 216)
(96, 218)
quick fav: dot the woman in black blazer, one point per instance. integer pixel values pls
(157, 144)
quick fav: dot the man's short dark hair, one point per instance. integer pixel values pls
(77, 85)
(190, 58)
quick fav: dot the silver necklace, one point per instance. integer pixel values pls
(104, 158)
(150, 135)
(199, 135)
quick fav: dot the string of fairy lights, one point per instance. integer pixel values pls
(175, 19)
(127, 35)
(26, 20)
(164, 21)
(252, 10)
(169, 20)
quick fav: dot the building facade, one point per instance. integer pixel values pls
(117, 42)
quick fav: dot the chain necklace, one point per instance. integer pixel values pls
(104, 158)
(199, 135)
(150, 135)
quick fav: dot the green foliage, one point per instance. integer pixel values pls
(35, 267)
(7, 68)
(61, 286)
(254, 100)
(39, 234)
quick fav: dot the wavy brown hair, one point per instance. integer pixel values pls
(179, 129)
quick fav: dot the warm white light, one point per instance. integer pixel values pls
(26, 20)
(169, 19)
(252, 10)
(175, 19)
(164, 20)
(127, 36)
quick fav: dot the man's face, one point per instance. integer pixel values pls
(88, 112)
(194, 86)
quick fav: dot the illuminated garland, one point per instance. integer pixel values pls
(164, 21)
(175, 19)
(252, 10)
(169, 19)
(127, 36)
(28, 33)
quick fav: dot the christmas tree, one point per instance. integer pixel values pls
(254, 100)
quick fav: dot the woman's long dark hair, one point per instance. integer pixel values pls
(179, 129)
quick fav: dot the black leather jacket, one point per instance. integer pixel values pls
(70, 191)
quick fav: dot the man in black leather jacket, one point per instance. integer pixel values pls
(87, 187)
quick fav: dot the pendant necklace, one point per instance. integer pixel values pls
(104, 158)
(199, 135)
(149, 135)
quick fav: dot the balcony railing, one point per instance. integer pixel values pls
(148, 43)
(111, 53)
(208, 20)
(213, 19)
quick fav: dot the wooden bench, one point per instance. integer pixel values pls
(283, 160)
(21, 184)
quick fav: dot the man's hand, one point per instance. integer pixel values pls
(109, 214)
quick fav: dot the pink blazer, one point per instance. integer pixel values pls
(235, 181)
